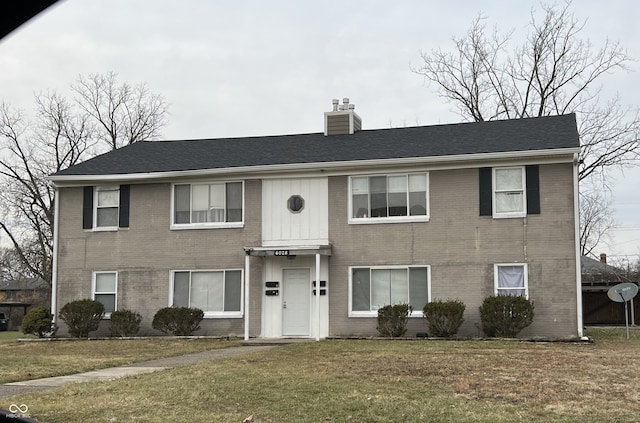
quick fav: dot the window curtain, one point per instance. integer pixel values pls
(511, 280)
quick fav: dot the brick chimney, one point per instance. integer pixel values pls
(603, 258)
(342, 120)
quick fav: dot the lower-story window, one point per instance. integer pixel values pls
(511, 279)
(105, 288)
(374, 287)
(216, 292)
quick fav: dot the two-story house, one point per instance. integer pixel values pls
(309, 235)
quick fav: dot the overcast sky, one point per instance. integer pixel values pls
(241, 68)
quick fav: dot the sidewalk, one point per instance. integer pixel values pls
(28, 386)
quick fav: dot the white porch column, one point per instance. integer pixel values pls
(318, 314)
(247, 286)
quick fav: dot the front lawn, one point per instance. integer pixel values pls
(37, 359)
(374, 381)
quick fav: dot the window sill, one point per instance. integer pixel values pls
(223, 315)
(370, 314)
(509, 215)
(191, 226)
(378, 220)
(105, 229)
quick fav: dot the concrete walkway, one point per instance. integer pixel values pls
(27, 386)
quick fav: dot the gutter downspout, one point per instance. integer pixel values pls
(576, 216)
(247, 285)
(54, 261)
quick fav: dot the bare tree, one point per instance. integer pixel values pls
(124, 114)
(553, 72)
(63, 134)
(596, 221)
(10, 264)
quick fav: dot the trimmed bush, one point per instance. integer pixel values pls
(505, 316)
(444, 317)
(38, 321)
(393, 319)
(82, 317)
(178, 321)
(125, 323)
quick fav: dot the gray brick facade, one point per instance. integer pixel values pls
(460, 246)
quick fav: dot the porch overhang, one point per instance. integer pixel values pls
(288, 251)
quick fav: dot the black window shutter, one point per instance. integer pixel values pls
(485, 191)
(87, 208)
(124, 206)
(533, 189)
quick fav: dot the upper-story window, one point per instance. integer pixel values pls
(387, 198)
(105, 207)
(107, 204)
(208, 204)
(509, 194)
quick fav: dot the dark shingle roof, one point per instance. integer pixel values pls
(552, 132)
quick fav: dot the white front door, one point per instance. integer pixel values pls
(296, 293)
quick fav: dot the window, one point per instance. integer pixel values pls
(511, 279)
(374, 287)
(214, 205)
(507, 192)
(217, 293)
(105, 286)
(389, 198)
(107, 204)
(105, 208)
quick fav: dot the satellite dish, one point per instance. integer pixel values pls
(623, 292)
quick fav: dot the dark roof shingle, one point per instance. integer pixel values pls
(552, 132)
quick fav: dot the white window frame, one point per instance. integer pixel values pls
(388, 219)
(210, 314)
(96, 206)
(107, 315)
(495, 192)
(496, 269)
(204, 225)
(374, 313)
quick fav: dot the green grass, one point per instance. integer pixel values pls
(374, 381)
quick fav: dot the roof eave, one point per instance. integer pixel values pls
(558, 155)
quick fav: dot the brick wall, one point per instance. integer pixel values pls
(461, 247)
(146, 253)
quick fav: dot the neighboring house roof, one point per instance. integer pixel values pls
(23, 284)
(591, 266)
(439, 141)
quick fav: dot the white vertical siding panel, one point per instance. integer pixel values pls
(280, 226)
